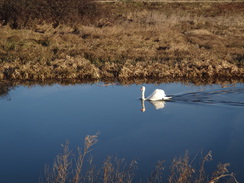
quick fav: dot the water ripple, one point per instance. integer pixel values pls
(225, 96)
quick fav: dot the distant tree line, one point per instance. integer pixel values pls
(26, 13)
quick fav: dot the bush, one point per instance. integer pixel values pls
(25, 13)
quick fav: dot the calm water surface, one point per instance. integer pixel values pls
(37, 120)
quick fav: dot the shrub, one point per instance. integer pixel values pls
(24, 13)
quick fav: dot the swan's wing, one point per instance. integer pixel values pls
(158, 104)
(156, 95)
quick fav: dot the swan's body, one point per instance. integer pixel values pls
(158, 94)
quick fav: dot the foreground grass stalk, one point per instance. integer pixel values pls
(157, 174)
(116, 170)
(61, 167)
(90, 140)
(216, 179)
(207, 157)
(62, 164)
(222, 172)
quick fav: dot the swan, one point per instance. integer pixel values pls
(158, 94)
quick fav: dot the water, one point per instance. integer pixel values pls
(35, 121)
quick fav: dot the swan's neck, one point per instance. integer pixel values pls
(143, 109)
(143, 95)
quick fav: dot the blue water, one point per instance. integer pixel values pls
(36, 120)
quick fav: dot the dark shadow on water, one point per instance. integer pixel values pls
(4, 91)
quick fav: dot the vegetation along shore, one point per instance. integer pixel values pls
(79, 40)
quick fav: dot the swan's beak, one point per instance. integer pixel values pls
(141, 89)
(143, 110)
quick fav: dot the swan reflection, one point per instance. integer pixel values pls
(158, 104)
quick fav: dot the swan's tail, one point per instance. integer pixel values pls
(167, 98)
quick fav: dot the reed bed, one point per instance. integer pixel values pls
(71, 167)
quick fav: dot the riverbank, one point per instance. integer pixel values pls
(131, 41)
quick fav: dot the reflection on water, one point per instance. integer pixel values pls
(158, 104)
(4, 89)
(38, 119)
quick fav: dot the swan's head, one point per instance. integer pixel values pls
(143, 88)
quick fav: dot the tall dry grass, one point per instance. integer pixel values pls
(70, 167)
(129, 40)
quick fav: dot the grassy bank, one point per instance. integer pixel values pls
(127, 41)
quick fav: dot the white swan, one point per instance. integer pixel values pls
(158, 94)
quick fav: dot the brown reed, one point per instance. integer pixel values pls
(117, 170)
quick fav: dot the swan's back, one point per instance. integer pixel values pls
(158, 94)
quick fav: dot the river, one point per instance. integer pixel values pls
(36, 120)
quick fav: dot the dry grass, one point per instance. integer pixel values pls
(132, 41)
(63, 169)
(70, 167)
